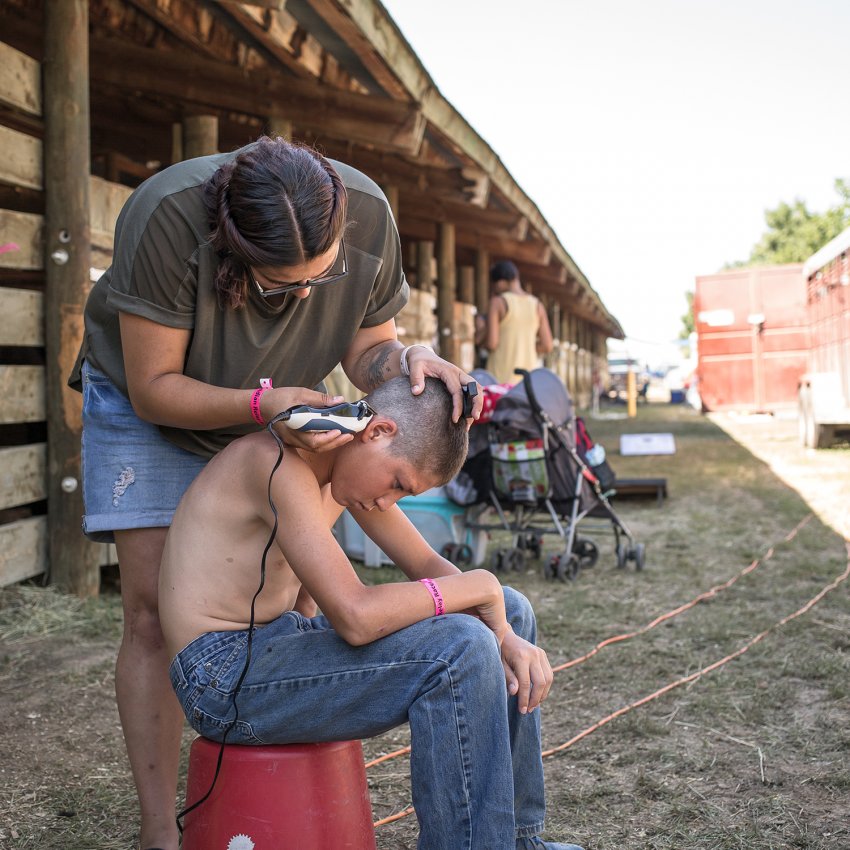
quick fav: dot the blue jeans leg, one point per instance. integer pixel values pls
(444, 676)
(529, 792)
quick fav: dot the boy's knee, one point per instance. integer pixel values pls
(520, 614)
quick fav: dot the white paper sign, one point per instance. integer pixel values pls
(647, 444)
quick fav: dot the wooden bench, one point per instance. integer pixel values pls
(640, 487)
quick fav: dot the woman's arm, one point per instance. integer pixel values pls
(496, 312)
(375, 356)
(160, 393)
(544, 331)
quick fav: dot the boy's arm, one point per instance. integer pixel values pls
(399, 538)
(358, 613)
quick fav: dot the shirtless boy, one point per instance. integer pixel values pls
(378, 656)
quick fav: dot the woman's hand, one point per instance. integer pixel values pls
(424, 363)
(277, 400)
(527, 671)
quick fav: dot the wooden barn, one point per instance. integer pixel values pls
(96, 95)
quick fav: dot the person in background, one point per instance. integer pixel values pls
(239, 281)
(518, 330)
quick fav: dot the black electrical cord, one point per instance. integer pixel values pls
(182, 814)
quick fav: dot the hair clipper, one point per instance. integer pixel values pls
(347, 417)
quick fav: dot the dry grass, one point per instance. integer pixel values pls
(753, 755)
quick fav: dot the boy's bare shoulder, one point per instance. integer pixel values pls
(251, 449)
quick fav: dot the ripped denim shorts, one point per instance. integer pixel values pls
(132, 476)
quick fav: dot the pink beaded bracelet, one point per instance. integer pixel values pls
(265, 384)
(439, 607)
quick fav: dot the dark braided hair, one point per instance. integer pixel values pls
(277, 204)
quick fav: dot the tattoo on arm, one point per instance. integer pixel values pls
(378, 369)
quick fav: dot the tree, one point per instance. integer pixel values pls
(688, 326)
(794, 233)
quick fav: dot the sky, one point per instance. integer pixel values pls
(651, 135)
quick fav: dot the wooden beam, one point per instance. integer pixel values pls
(312, 106)
(425, 265)
(446, 284)
(23, 231)
(20, 164)
(482, 280)
(21, 317)
(23, 549)
(531, 253)
(200, 135)
(20, 80)
(338, 17)
(22, 397)
(23, 474)
(263, 4)
(74, 561)
(499, 223)
(278, 33)
(466, 284)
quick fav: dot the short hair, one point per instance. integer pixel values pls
(503, 270)
(275, 204)
(426, 437)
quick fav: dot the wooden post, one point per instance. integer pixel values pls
(74, 561)
(425, 265)
(278, 126)
(446, 285)
(482, 280)
(176, 142)
(200, 135)
(466, 285)
(391, 192)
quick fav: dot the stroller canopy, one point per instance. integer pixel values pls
(515, 410)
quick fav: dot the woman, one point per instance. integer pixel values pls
(238, 281)
(518, 330)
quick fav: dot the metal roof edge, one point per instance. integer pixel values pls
(383, 33)
(830, 251)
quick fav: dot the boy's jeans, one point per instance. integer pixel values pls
(476, 771)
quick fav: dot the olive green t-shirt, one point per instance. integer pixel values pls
(163, 269)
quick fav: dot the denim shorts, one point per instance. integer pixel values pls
(132, 476)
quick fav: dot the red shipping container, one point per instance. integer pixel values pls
(752, 338)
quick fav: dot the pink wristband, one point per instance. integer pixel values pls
(265, 384)
(439, 608)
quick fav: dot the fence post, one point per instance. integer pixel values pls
(73, 561)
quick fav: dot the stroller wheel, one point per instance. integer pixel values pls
(639, 555)
(448, 551)
(516, 560)
(463, 556)
(530, 542)
(567, 567)
(497, 562)
(587, 552)
(459, 554)
(622, 556)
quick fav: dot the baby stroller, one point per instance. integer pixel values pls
(535, 464)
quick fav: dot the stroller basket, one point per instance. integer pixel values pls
(534, 463)
(520, 472)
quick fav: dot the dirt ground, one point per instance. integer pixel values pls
(754, 753)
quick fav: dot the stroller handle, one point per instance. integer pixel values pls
(537, 412)
(529, 389)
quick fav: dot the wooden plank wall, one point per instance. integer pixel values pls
(23, 450)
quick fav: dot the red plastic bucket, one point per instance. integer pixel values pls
(304, 796)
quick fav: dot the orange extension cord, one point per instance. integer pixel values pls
(657, 621)
(682, 681)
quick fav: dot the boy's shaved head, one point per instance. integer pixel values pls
(426, 436)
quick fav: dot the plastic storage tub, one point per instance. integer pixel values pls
(437, 518)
